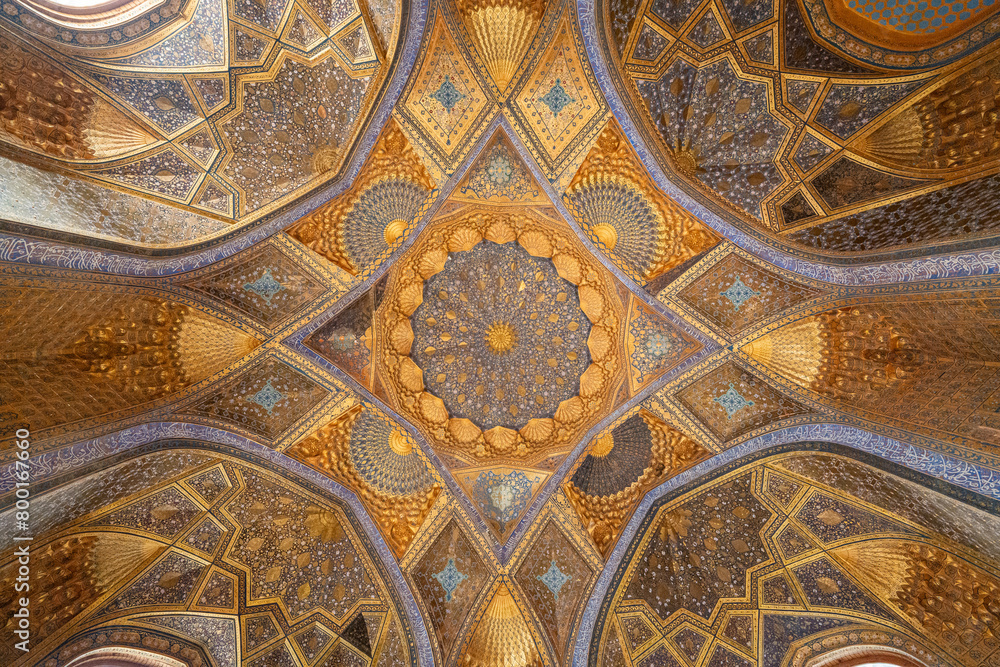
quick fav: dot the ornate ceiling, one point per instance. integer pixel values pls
(501, 333)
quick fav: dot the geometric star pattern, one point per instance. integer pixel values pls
(376, 332)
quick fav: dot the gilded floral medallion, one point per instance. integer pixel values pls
(500, 336)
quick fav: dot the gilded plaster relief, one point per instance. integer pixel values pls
(895, 360)
(558, 106)
(484, 612)
(910, 360)
(218, 562)
(512, 354)
(110, 351)
(620, 466)
(366, 451)
(446, 100)
(530, 66)
(501, 32)
(644, 232)
(777, 560)
(221, 114)
(500, 333)
(837, 125)
(359, 229)
(492, 299)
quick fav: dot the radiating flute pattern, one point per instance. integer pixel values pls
(500, 333)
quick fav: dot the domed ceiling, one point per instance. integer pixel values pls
(176, 122)
(500, 333)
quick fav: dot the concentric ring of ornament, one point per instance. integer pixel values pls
(405, 377)
(500, 336)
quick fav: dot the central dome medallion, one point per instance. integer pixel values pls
(500, 336)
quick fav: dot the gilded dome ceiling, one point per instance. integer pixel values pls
(493, 341)
(500, 333)
(501, 336)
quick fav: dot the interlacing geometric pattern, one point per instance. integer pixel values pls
(513, 327)
(820, 120)
(500, 333)
(220, 114)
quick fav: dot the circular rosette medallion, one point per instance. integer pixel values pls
(500, 336)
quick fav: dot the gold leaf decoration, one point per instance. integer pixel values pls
(502, 638)
(641, 229)
(502, 31)
(392, 165)
(411, 392)
(604, 516)
(397, 516)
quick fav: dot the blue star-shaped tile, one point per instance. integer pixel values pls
(738, 293)
(557, 99)
(449, 578)
(265, 286)
(267, 397)
(732, 401)
(447, 94)
(554, 578)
